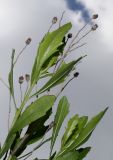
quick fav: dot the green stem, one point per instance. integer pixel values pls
(18, 112)
(26, 98)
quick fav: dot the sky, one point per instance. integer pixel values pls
(92, 91)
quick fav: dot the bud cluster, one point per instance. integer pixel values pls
(54, 20)
(95, 16)
(21, 78)
(28, 41)
(94, 27)
(76, 74)
(69, 35)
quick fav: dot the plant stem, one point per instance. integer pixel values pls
(79, 46)
(21, 93)
(19, 55)
(35, 148)
(64, 86)
(9, 111)
(61, 18)
(4, 83)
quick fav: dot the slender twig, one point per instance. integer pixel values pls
(26, 88)
(56, 64)
(78, 33)
(3, 82)
(21, 96)
(81, 38)
(79, 46)
(69, 48)
(14, 102)
(19, 54)
(50, 28)
(61, 18)
(35, 148)
(64, 86)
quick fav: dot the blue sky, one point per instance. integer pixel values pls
(77, 6)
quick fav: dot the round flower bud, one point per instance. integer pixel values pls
(69, 35)
(21, 79)
(76, 74)
(27, 77)
(94, 27)
(54, 20)
(95, 16)
(28, 41)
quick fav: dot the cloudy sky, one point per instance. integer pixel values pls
(93, 90)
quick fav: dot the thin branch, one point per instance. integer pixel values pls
(78, 47)
(79, 33)
(21, 96)
(19, 55)
(81, 38)
(61, 18)
(50, 28)
(3, 82)
(64, 86)
(26, 88)
(14, 102)
(35, 148)
(56, 64)
(60, 62)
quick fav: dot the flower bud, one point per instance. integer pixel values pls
(21, 79)
(54, 20)
(95, 16)
(94, 27)
(69, 35)
(27, 77)
(76, 74)
(28, 41)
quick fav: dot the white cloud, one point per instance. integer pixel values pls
(105, 21)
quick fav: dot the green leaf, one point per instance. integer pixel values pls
(86, 131)
(47, 48)
(35, 111)
(74, 155)
(59, 76)
(7, 145)
(78, 129)
(83, 152)
(52, 60)
(13, 158)
(37, 128)
(34, 133)
(71, 127)
(46, 74)
(61, 113)
(10, 77)
(75, 126)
